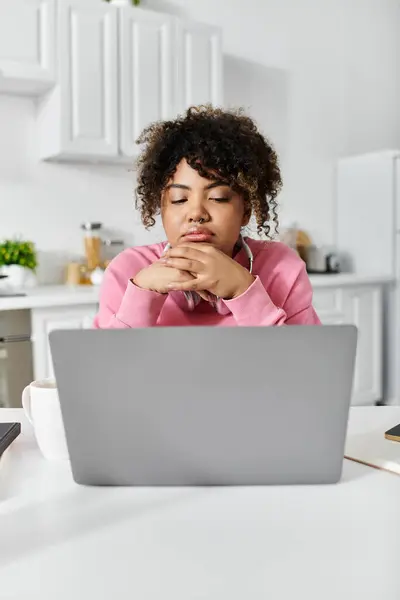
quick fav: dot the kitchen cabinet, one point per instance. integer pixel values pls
(79, 118)
(199, 65)
(45, 320)
(146, 68)
(121, 68)
(355, 303)
(27, 46)
(360, 305)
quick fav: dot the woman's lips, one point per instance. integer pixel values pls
(198, 235)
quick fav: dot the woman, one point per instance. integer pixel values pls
(207, 173)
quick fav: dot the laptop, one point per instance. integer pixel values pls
(200, 406)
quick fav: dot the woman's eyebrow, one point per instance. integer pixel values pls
(218, 183)
(213, 184)
(180, 186)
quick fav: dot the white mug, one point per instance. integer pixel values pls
(42, 407)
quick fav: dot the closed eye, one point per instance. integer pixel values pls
(220, 200)
(181, 201)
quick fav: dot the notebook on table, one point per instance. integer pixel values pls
(8, 433)
(371, 447)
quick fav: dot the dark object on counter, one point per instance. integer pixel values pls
(8, 433)
(393, 434)
(320, 262)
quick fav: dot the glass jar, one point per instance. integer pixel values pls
(92, 244)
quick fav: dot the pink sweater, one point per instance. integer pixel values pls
(281, 293)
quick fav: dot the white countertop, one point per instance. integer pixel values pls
(60, 540)
(64, 295)
(347, 279)
(52, 295)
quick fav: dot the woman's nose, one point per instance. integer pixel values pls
(197, 212)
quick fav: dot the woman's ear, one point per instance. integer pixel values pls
(246, 217)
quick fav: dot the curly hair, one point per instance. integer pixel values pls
(214, 142)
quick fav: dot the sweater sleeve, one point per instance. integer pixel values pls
(255, 306)
(122, 303)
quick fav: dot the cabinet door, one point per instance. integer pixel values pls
(327, 303)
(362, 306)
(88, 78)
(199, 65)
(27, 45)
(45, 320)
(146, 73)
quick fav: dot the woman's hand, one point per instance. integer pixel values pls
(157, 277)
(212, 271)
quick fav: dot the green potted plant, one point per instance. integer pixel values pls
(18, 262)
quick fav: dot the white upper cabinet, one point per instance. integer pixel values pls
(79, 118)
(121, 68)
(27, 46)
(199, 65)
(146, 72)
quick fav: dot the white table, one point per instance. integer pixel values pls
(61, 541)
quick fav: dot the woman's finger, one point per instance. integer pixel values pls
(186, 286)
(188, 252)
(184, 264)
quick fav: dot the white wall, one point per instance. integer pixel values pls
(320, 77)
(47, 202)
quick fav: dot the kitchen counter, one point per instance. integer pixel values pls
(64, 295)
(347, 280)
(51, 295)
